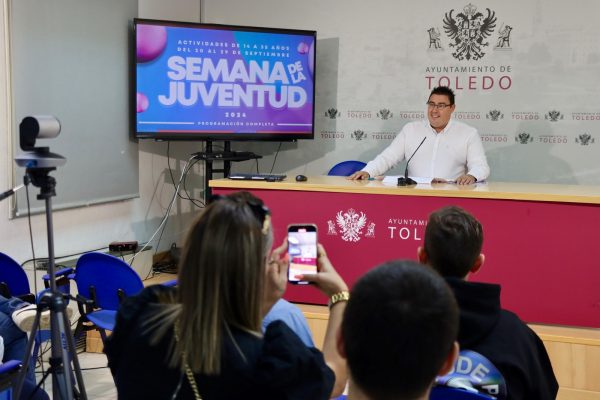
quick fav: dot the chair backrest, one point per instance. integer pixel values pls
(474, 374)
(107, 275)
(448, 393)
(346, 168)
(14, 276)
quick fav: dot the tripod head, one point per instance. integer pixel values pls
(39, 177)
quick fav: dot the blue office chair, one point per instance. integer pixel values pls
(13, 280)
(14, 283)
(448, 393)
(9, 372)
(8, 375)
(103, 281)
(346, 168)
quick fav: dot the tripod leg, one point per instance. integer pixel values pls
(59, 363)
(27, 355)
(72, 350)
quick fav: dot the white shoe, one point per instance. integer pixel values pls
(24, 317)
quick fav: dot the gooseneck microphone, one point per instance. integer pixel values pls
(10, 192)
(405, 180)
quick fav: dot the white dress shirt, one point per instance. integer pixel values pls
(455, 151)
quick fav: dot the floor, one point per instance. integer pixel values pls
(97, 379)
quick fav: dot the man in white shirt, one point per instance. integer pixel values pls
(450, 150)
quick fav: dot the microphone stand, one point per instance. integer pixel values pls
(405, 180)
(60, 328)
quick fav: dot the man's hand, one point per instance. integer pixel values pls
(359, 176)
(465, 180)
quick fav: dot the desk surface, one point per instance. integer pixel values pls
(491, 190)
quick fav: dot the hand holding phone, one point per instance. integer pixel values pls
(302, 250)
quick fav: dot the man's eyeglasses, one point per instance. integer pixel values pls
(439, 106)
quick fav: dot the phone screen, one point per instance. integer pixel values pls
(302, 250)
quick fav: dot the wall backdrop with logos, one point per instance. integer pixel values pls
(525, 75)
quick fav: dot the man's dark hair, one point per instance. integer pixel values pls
(445, 91)
(399, 327)
(453, 240)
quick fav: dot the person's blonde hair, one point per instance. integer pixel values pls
(221, 280)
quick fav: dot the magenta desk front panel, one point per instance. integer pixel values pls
(544, 254)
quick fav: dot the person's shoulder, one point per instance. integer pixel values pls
(288, 359)
(132, 306)
(462, 127)
(414, 127)
(420, 123)
(521, 335)
(511, 318)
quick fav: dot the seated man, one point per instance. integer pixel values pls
(440, 147)
(452, 246)
(16, 320)
(398, 332)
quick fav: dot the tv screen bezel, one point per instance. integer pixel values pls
(207, 135)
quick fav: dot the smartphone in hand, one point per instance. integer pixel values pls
(302, 250)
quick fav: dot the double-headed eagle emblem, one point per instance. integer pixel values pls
(351, 223)
(469, 30)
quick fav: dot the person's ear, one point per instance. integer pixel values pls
(339, 341)
(450, 360)
(477, 264)
(422, 255)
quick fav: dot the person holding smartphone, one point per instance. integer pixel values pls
(203, 340)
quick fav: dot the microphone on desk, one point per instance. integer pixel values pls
(405, 180)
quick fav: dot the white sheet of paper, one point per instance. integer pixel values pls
(392, 180)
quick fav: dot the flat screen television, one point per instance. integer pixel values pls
(196, 81)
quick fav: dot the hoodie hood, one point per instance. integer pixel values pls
(479, 305)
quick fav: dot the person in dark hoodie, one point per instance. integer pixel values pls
(452, 246)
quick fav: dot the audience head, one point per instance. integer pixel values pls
(452, 243)
(222, 275)
(399, 331)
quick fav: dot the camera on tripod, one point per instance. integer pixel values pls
(39, 162)
(31, 129)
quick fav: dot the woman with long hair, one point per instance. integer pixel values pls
(203, 340)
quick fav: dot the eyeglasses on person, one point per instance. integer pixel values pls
(438, 106)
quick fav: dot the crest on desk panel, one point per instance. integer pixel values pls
(351, 225)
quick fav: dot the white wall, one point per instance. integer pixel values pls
(539, 121)
(93, 227)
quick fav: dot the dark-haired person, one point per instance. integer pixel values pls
(399, 332)
(203, 339)
(452, 246)
(452, 150)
